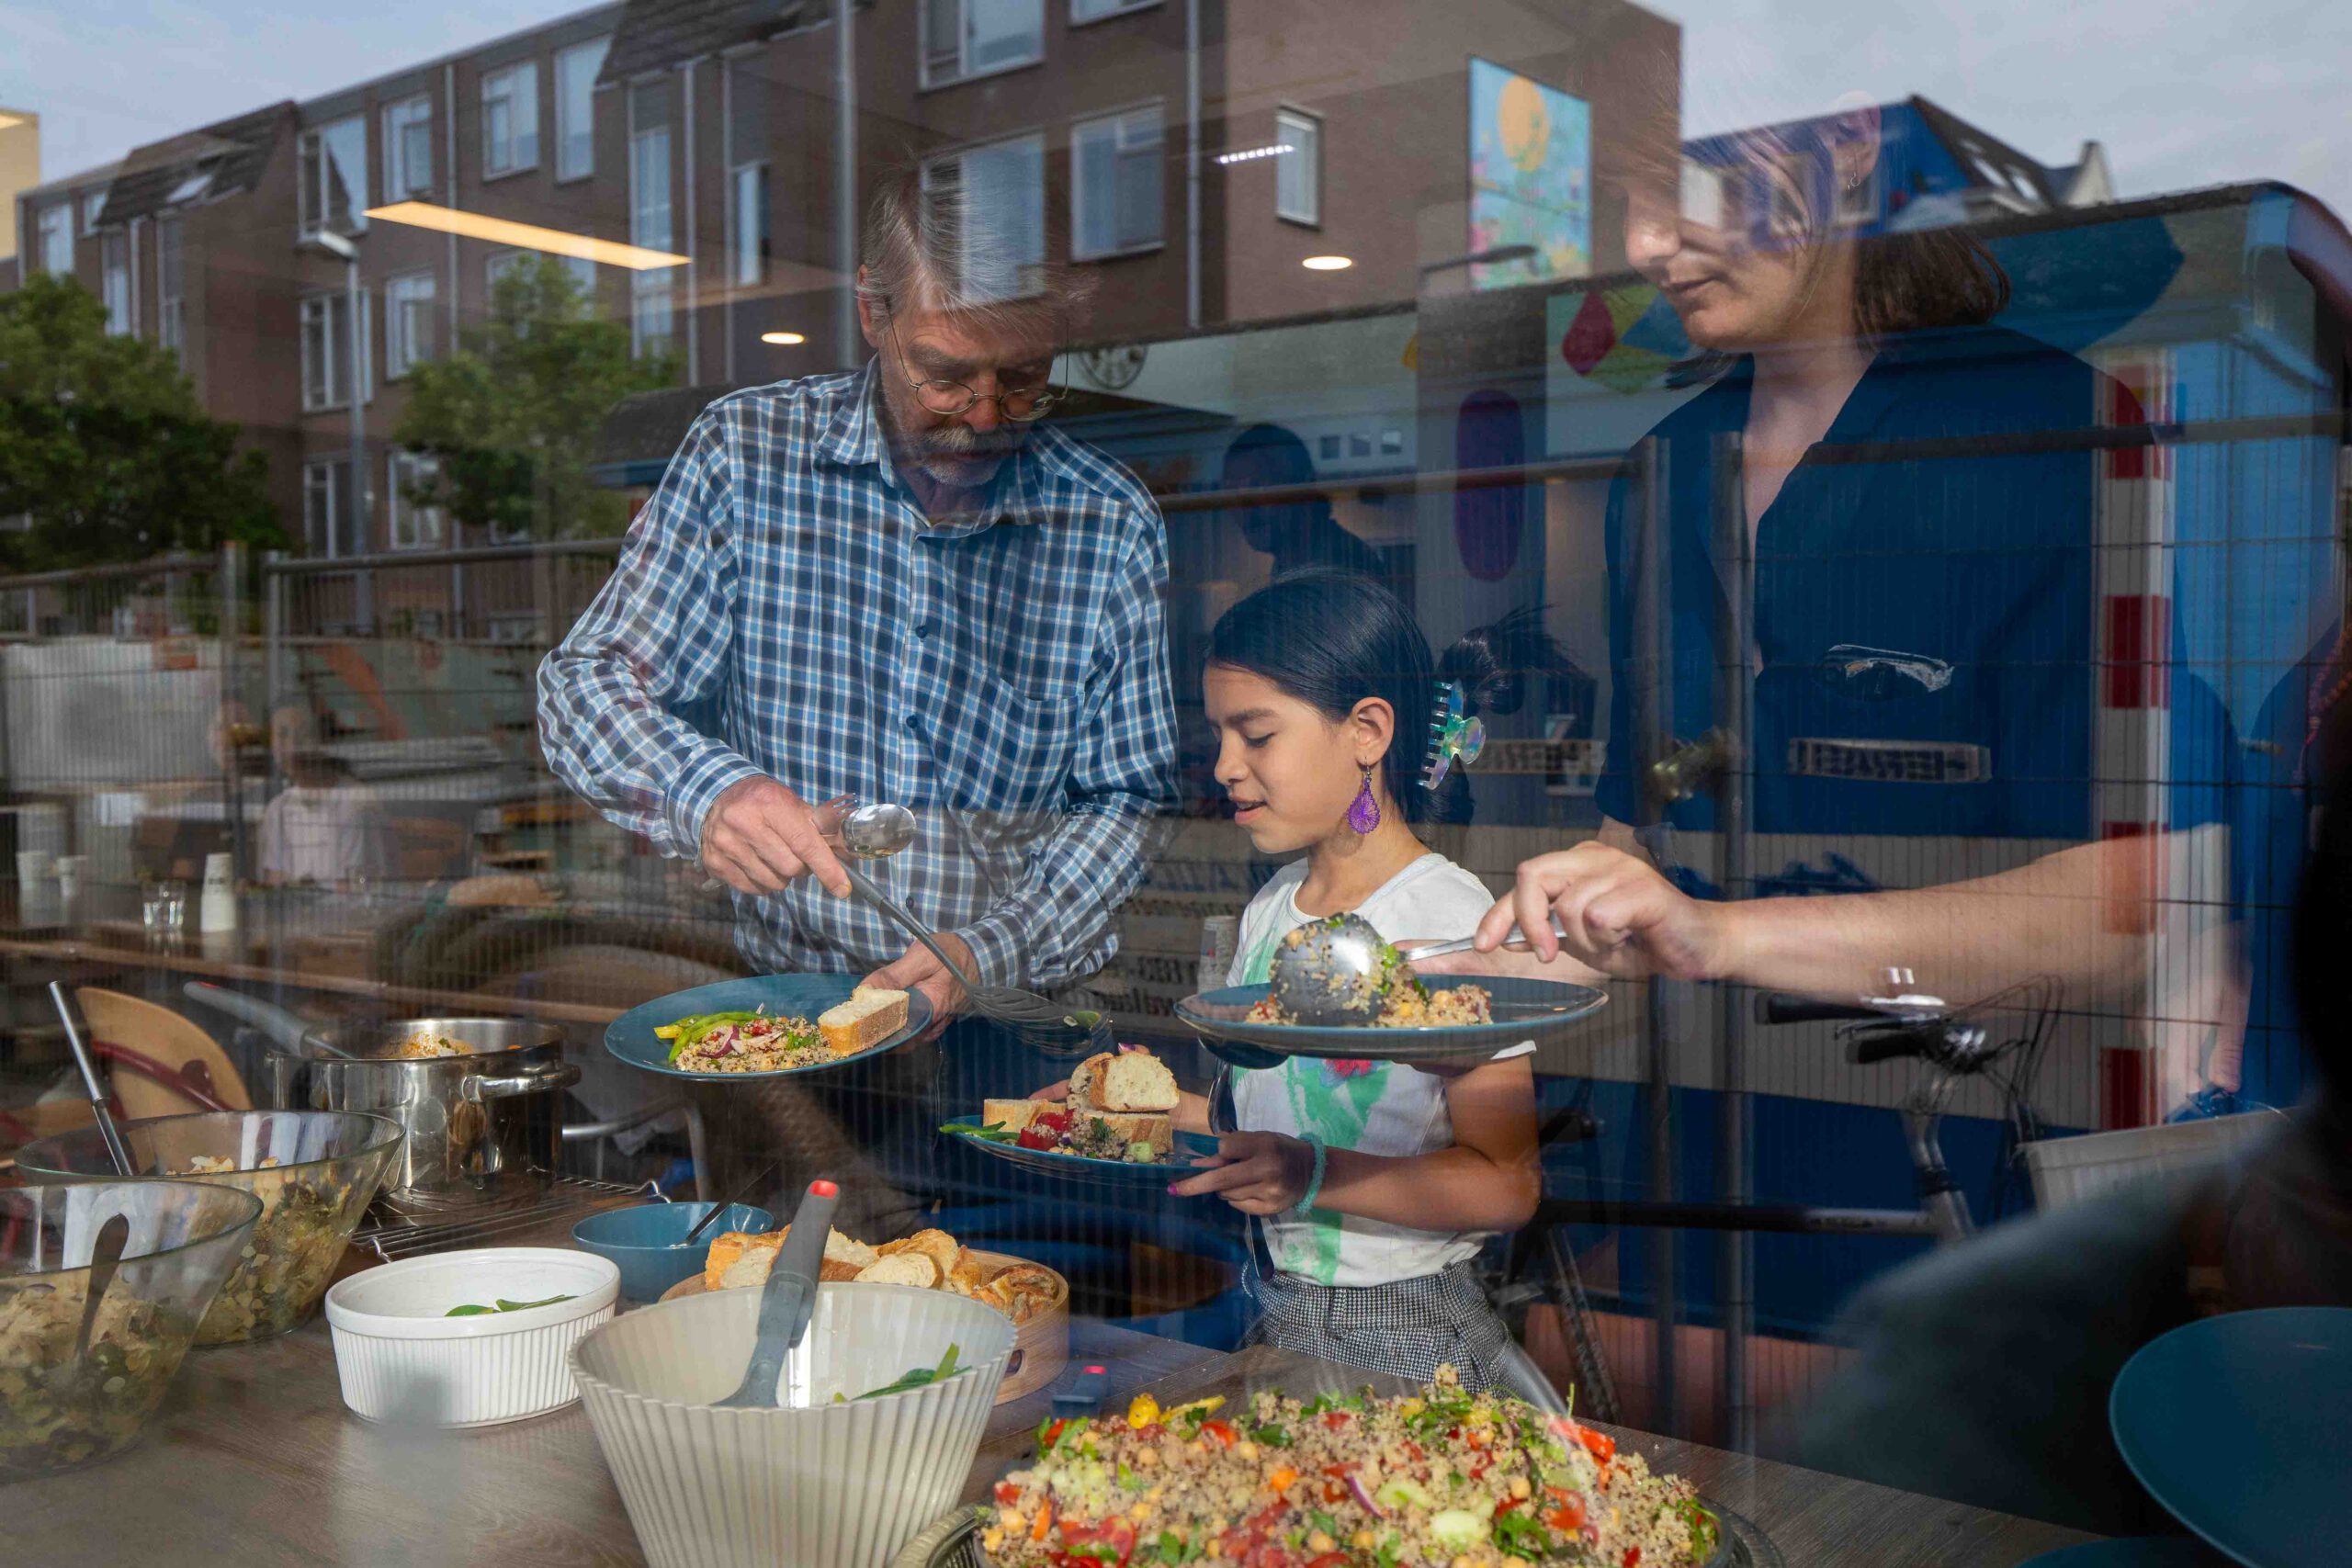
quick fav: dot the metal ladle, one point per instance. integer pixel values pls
(1330, 972)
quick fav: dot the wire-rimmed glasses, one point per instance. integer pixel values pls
(947, 399)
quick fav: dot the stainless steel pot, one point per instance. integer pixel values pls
(492, 1116)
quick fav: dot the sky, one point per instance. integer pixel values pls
(2182, 95)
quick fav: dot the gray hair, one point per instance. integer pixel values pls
(928, 242)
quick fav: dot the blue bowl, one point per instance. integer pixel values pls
(647, 1243)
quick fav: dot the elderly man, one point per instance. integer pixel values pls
(894, 584)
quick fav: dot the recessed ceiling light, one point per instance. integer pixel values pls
(783, 340)
(1328, 264)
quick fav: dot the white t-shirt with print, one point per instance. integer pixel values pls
(1380, 1108)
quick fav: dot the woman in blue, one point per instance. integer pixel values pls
(1914, 489)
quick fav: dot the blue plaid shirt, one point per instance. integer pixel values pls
(1003, 674)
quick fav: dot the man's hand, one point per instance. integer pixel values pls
(759, 837)
(1258, 1173)
(918, 969)
(1623, 918)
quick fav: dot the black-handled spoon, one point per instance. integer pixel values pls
(739, 1195)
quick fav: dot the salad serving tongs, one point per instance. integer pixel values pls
(786, 1303)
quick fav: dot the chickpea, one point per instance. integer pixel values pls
(1319, 1542)
(1519, 1487)
(1010, 1518)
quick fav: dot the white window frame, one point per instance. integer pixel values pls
(1036, 141)
(401, 181)
(336, 346)
(1289, 125)
(93, 205)
(313, 160)
(518, 83)
(652, 235)
(964, 70)
(1118, 125)
(414, 527)
(1078, 18)
(319, 483)
(114, 281)
(409, 341)
(54, 228)
(594, 50)
(171, 285)
(747, 262)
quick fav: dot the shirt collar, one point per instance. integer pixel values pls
(854, 439)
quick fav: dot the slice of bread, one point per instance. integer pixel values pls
(967, 1278)
(731, 1248)
(740, 1259)
(902, 1268)
(1086, 1083)
(1013, 1115)
(938, 1246)
(863, 1021)
(1136, 1080)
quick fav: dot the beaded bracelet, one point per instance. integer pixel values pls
(1314, 1183)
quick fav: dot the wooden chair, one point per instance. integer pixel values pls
(161, 1064)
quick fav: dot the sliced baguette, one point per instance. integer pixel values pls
(1086, 1083)
(902, 1268)
(1136, 1080)
(863, 1021)
(938, 1246)
(1014, 1115)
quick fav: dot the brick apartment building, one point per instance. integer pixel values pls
(1196, 151)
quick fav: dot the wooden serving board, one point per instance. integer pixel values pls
(1040, 1347)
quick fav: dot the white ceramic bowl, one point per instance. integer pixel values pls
(829, 1487)
(402, 1356)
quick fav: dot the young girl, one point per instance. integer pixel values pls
(1321, 691)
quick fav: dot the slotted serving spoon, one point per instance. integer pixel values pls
(1333, 975)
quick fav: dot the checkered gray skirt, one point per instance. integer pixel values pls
(1407, 1328)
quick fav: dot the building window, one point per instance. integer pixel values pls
(1004, 189)
(747, 229)
(973, 37)
(1095, 10)
(575, 108)
(1114, 192)
(334, 176)
(114, 253)
(1298, 173)
(582, 271)
(57, 240)
(327, 351)
(93, 203)
(409, 335)
(651, 318)
(414, 526)
(407, 148)
(171, 287)
(326, 502)
(510, 119)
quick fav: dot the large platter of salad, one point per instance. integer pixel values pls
(1438, 1480)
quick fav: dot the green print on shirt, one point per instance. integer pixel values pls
(1333, 1109)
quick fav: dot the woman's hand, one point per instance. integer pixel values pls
(1258, 1173)
(1623, 918)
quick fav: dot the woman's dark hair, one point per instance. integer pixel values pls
(1331, 639)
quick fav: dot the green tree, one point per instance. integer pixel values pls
(514, 413)
(104, 448)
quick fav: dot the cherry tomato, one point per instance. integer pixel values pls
(1007, 1494)
(1219, 1431)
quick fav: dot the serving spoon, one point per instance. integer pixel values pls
(786, 1303)
(1330, 972)
(106, 1252)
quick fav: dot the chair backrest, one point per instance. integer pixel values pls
(173, 1042)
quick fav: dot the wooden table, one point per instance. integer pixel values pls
(254, 1462)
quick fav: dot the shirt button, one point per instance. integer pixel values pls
(927, 628)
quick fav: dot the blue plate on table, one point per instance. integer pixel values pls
(2237, 1423)
(1523, 1009)
(1100, 1172)
(630, 1036)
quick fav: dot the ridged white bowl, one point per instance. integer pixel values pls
(401, 1357)
(829, 1486)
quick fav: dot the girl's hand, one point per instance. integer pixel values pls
(1258, 1173)
(1053, 1091)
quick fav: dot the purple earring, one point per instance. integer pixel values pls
(1363, 813)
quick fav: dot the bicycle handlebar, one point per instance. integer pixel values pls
(1780, 1007)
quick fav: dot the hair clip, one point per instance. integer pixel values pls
(1452, 737)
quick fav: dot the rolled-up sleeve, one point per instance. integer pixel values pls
(1058, 924)
(658, 637)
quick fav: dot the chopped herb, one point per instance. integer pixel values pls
(920, 1377)
(471, 1309)
(1269, 1436)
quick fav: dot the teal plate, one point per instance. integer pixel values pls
(630, 1037)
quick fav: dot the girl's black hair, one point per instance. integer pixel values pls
(1332, 638)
